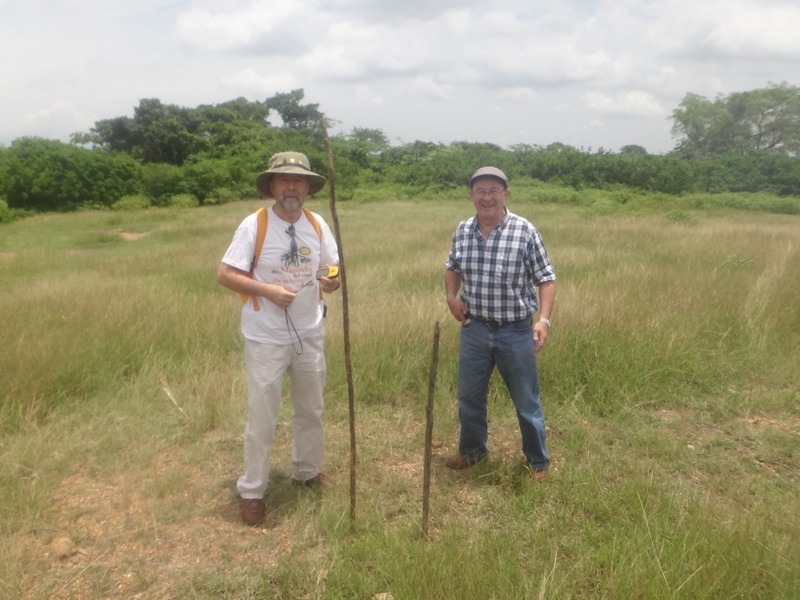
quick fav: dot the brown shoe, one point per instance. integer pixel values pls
(539, 474)
(320, 480)
(253, 511)
(458, 462)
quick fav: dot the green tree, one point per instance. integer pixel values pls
(226, 126)
(769, 119)
(633, 149)
(702, 127)
(160, 133)
(169, 133)
(118, 134)
(410, 154)
(361, 146)
(744, 123)
(4, 160)
(243, 109)
(293, 114)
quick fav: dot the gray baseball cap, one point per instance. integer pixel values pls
(489, 172)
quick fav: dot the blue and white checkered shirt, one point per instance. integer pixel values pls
(500, 275)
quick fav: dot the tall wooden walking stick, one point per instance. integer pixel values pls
(345, 317)
(426, 476)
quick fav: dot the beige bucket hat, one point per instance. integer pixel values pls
(295, 163)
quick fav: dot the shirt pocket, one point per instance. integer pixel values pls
(509, 265)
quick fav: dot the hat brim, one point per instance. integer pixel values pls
(489, 172)
(490, 176)
(315, 182)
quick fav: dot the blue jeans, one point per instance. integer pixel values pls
(510, 347)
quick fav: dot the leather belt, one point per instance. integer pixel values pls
(492, 324)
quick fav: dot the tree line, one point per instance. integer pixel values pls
(169, 155)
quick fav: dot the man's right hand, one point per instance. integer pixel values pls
(457, 307)
(280, 296)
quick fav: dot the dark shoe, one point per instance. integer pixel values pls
(320, 480)
(458, 462)
(538, 474)
(253, 511)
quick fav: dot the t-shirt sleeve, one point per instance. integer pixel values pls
(329, 252)
(240, 253)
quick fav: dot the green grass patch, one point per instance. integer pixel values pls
(669, 383)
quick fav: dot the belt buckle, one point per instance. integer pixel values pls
(491, 324)
(485, 322)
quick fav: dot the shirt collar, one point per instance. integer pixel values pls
(501, 225)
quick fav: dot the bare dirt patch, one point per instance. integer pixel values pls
(764, 440)
(139, 539)
(784, 425)
(131, 235)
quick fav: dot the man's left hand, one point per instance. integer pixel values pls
(328, 285)
(540, 333)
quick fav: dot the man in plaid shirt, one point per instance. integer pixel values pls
(497, 259)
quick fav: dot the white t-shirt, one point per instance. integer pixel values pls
(277, 265)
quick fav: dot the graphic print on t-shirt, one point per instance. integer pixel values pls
(295, 268)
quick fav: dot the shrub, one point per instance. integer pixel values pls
(161, 181)
(45, 175)
(221, 196)
(135, 202)
(781, 206)
(9, 214)
(205, 176)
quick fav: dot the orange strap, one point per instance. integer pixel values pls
(261, 234)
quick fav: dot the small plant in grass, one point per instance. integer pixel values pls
(678, 215)
(736, 261)
(183, 201)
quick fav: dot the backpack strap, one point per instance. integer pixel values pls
(315, 224)
(263, 215)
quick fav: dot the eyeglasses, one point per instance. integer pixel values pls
(493, 192)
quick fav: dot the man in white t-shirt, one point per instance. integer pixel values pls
(282, 324)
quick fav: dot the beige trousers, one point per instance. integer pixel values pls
(265, 366)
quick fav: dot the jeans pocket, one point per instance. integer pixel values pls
(524, 325)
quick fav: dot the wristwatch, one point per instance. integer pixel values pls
(545, 321)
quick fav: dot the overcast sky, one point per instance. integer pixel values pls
(592, 74)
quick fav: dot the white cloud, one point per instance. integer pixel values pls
(634, 103)
(272, 26)
(366, 51)
(366, 96)
(589, 73)
(757, 30)
(517, 94)
(250, 83)
(60, 116)
(431, 88)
